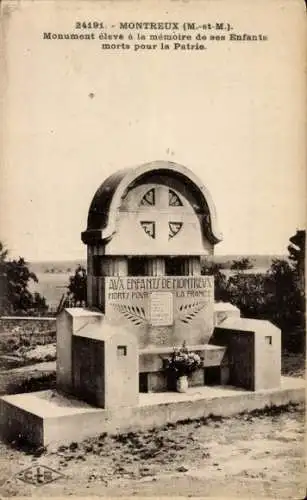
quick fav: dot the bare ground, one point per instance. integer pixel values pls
(253, 455)
(260, 454)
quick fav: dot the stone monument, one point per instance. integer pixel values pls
(148, 229)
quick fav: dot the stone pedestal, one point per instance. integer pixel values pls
(48, 418)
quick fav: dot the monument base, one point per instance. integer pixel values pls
(50, 418)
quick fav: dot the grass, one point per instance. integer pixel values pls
(293, 364)
(19, 349)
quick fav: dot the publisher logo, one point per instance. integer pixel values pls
(38, 475)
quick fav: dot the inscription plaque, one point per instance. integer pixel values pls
(161, 309)
(176, 307)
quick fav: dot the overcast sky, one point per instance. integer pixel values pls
(234, 114)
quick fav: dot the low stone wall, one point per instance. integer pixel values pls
(35, 329)
(31, 324)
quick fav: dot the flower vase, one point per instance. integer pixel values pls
(182, 384)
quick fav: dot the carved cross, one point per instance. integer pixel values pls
(161, 213)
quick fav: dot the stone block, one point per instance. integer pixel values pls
(254, 351)
(105, 366)
(69, 322)
(96, 361)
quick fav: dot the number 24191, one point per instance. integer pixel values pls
(89, 25)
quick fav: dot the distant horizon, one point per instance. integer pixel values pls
(15, 255)
(211, 256)
(214, 255)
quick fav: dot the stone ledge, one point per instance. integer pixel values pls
(150, 358)
(47, 417)
(168, 350)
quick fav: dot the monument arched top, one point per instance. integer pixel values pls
(104, 208)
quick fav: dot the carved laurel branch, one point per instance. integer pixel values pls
(189, 311)
(134, 313)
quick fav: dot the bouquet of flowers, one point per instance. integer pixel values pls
(182, 362)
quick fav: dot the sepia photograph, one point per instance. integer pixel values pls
(152, 248)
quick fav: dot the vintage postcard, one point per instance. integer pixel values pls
(152, 248)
